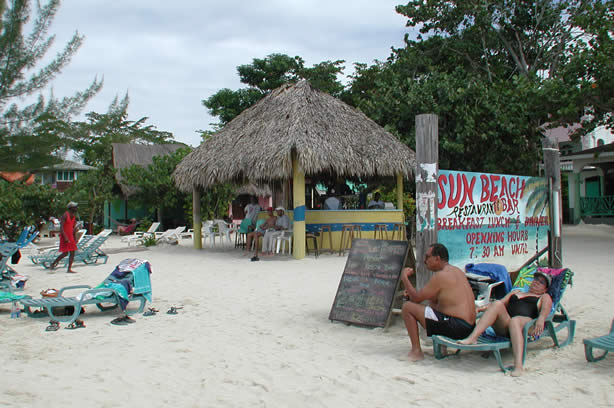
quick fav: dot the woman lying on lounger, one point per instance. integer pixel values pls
(509, 315)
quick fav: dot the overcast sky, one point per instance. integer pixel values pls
(170, 55)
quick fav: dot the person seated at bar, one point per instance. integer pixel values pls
(376, 203)
(282, 223)
(332, 202)
(451, 311)
(251, 210)
(259, 232)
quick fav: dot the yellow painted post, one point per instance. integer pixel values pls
(196, 220)
(299, 209)
(400, 191)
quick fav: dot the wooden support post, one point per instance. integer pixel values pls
(427, 144)
(400, 192)
(552, 171)
(196, 220)
(298, 177)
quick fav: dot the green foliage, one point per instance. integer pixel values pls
(264, 75)
(389, 194)
(149, 240)
(214, 202)
(93, 139)
(30, 135)
(495, 73)
(22, 205)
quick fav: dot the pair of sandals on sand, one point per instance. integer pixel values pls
(55, 325)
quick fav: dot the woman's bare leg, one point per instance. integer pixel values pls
(496, 314)
(71, 259)
(515, 327)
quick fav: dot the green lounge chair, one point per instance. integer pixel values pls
(88, 253)
(50, 254)
(556, 321)
(106, 296)
(605, 343)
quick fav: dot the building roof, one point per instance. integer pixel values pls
(68, 165)
(327, 136)
(607, 150)
(13, 176)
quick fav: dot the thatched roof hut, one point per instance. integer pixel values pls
(327, 136)
(128, 154)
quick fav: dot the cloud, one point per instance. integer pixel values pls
(170, 56)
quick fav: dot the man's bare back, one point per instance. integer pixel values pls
(455, 297)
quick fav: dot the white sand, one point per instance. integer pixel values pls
(258, 334)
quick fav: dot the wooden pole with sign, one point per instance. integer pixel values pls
(427, 156)
(552, 172)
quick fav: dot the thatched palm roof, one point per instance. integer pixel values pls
(254, 190)
(327, 135)
(128, 154)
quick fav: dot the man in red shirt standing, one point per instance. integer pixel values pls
(68, 241)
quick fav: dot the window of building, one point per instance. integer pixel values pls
(66, 175)
(600, 142)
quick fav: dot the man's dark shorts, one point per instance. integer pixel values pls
(445, 325)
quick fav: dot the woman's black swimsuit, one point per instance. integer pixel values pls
(526, 306)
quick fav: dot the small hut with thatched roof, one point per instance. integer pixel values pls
(125, 155)
(295, 131)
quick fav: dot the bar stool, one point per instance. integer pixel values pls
(347, 233)
(353, 231)
(382, 229)
(314, 239)
(400, 229)
(358, 229)
(326, 228)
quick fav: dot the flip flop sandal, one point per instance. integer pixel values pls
(173, 310)
(119, 321)
(77, 324)
(151, 312)
(53, 326)
(128, 319)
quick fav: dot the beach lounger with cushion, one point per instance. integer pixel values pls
(605, 343)
(129, 282)
(557, 321)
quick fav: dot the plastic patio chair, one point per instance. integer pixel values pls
(605, 343)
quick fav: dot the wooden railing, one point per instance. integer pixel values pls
(597, 206)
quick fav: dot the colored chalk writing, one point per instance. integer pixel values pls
(369, 281)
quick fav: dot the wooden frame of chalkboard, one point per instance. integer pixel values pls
(369, 282)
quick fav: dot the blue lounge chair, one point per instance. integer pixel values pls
(557, 320)
(605, 343)
(110, 294)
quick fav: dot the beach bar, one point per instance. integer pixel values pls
(294, 132)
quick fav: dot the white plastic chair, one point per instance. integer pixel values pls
(285, 237)
(224, 229)
(208, 231)
(139, 235)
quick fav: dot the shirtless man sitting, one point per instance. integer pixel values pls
(451, 311)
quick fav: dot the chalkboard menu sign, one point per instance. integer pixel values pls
(369, 281)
